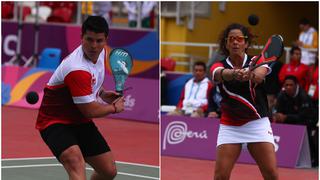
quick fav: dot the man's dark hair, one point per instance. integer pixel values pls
(293, 48)
(200, 63)
(95, 24)
(291, 77)
(304, 21)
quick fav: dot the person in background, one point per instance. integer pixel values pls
(294, 106)
(295, 68)
(104, 9)
(313, 92)
(194, 96)
(308, 39)
(147, 8)
(272, 85)
(214, 99)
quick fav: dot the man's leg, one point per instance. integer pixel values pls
(62, 142)
(104, 166)
(73, 162)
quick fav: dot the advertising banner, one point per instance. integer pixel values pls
(196, 138)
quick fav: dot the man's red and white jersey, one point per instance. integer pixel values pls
(77, 80)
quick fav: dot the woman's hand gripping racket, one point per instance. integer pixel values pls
(271, 52)
(121, 64)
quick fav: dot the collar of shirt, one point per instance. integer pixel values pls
(245, 59)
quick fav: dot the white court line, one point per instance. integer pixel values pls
(51, 165)
(33, 165)
(43, 158)
(129, 174)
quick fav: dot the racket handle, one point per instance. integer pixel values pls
(120, 92)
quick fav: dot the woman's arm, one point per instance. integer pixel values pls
(259, 74)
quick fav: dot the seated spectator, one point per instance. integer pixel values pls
(295, 68)
(294, 106)
(214, 106)
(194, 96)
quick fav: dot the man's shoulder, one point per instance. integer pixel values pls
(77, 53)
(303, 94)
(189, 80)
(305, 67)
(74, 61)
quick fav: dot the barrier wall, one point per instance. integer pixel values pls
(142, 44)
(197, 137)
(141, 102)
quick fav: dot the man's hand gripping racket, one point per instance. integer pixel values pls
(271, 52)
(121, 64)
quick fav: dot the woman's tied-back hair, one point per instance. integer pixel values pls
(222, 39)
(95, 24)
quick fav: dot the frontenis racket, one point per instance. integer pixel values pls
(121, 64)
(271, 52)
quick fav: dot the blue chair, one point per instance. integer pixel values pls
(175, 87)
(50, 58)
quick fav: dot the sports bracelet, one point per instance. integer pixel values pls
(221, 74)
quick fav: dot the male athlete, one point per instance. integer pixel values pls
(70, 102)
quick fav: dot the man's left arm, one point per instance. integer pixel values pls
(108, 96)
(305, 113)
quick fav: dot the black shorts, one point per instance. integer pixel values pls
(59, 137)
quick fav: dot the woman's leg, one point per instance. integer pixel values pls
(265, 156)
(227, 155)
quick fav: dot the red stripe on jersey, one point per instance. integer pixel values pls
(57, 107)
(79, 83)
(215, 65)
(245, 103)
(242, 100)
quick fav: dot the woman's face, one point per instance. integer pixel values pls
(236, 43)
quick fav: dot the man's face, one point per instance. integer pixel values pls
(290, 87)
(199, 72)
(303, 27)
(296, 55)
(92, 44)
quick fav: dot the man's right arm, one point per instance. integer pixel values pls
(79, 83)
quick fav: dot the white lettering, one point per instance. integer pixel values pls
(121, 53)
(7, 40)
(129, 102)
(177, 131)
(276, 142)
